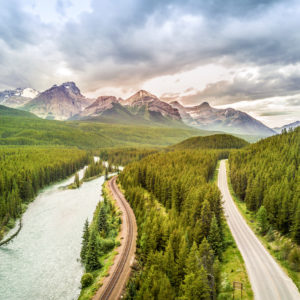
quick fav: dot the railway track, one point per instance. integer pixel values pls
(120, 270)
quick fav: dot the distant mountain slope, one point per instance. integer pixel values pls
(229, 120)
(287, 126)
(216, 141)
(143, 102)
(106, 109)
(23, 128)
(142, 108)
(59, 102)
(18, 97)
(11, 112)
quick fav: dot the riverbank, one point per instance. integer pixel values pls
(106, 260)
(43, 262)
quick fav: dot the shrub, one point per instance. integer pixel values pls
(86, 280)
(270, 235)
(106, 245)
(286, 249)
(294, 259)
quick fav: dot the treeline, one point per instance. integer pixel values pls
(124, 156)
(267, 174)
(216, 141)
(24, 171)
(99, 238)
(95, 168)
(179, 216)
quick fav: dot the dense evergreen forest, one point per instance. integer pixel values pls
(124, 156)
(216, 141)
(24, 171)
(179, 216)
(267, 175)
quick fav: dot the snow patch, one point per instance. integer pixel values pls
(29, 93)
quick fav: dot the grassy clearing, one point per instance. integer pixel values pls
(107, 260)
(232, 267)
(274, 245)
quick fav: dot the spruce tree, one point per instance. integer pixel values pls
(296, 227)
(91, 261)
(196, 286)
(262, 220)
(214, 237)
(102, 221)
(85, 240)
(206, 216)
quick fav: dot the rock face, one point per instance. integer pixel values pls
(59, 102)
(229, 120)
(142, 100)
(287, 126)
(97, 108)
(18, 97)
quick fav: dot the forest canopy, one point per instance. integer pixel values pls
(216, 141)
(179, 216)
(267, 174)
(24, 171)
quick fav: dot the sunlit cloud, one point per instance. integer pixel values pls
(191, 51)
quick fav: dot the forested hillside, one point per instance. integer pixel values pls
(216, 141)
(124, 156)
(267, 174)
(179, 216)
(29, 130)
(24, 171)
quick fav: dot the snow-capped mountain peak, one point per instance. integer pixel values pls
(29, 93)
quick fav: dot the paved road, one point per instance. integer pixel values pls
(268, 280)
(114, 284)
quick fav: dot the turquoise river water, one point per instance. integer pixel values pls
(42, 262)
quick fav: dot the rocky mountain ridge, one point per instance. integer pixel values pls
(65, 101)
(229, 120)
(17, 97)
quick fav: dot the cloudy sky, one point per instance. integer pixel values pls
(243, 54)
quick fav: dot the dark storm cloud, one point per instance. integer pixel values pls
(18, 28)
(122, 43)
(126, 42)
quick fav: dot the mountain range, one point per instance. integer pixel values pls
(287, 126)
(65, 102)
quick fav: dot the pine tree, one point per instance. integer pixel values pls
(296, 226)
(262, 220)
(214, 237)
(85, 240)
(206, 216)
(102, 221)
(196, 286)
(91, 261)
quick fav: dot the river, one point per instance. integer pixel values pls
(42, 262)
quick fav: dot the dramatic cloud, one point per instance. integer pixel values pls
(169, 46)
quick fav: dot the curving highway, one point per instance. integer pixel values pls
(115, 283)
(268, 280)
